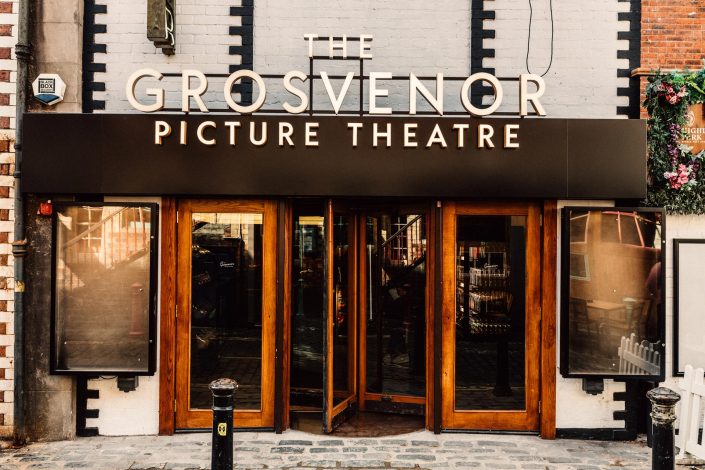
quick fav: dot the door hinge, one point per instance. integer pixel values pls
(175, 405)
(177, 217)
(540, 220)
(539, 406)
(176, 311)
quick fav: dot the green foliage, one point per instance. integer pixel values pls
(676, 176)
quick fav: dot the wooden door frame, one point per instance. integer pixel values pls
(549, 284)
(527, 420)
(196, 419)
(283, 324)
(331, 410)
(167, 318)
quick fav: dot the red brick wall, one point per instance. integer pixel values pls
(672, 35)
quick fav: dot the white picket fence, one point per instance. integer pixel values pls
(691, 419)
(638, 358)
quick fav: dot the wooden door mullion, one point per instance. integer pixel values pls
(362, 312)
(328, 344)
(352, 307)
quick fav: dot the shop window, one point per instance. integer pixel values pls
(104, 288)
(612, 314)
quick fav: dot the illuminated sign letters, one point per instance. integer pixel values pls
(194, 85)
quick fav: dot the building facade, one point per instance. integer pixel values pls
(423, 269)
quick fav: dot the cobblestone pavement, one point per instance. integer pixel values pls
(295, 449)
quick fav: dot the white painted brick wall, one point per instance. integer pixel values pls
(202, 32)
(123, 414)
(582, 81)
(421, 37)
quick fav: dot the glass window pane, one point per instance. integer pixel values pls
(490, 313)
(578, 227)
(307, 302)
(614, 295)
(630, 231)
(226, 305)
(396, 277)
(102, 288)
(609, 227)
(342, 317)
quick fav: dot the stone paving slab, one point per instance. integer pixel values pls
(294, 449)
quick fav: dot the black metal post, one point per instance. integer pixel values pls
(663, 403)
(223, 391)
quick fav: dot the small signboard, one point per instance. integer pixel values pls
(694, 128)
(49, 88)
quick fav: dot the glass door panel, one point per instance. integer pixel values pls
(342, 282)
(490, 353)
(308, 309)
(225, 297)
(490, 312)
(340, 332)
(393, 293)
(226, 305)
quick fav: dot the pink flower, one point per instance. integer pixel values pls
(679, 177)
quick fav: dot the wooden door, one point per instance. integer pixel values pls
(491, 316)
(340, 322)
(226, 298)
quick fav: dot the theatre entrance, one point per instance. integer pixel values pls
(329, 310)
(359, 308)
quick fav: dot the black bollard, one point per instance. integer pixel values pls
(663, 451)
(223, 391)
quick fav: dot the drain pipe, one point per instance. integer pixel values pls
(23, 52)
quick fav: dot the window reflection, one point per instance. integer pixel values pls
(614, 292)
(102, 288)
(226, 305)
(490, 313)
(342, 315)
(307, 305)
(396, 276)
